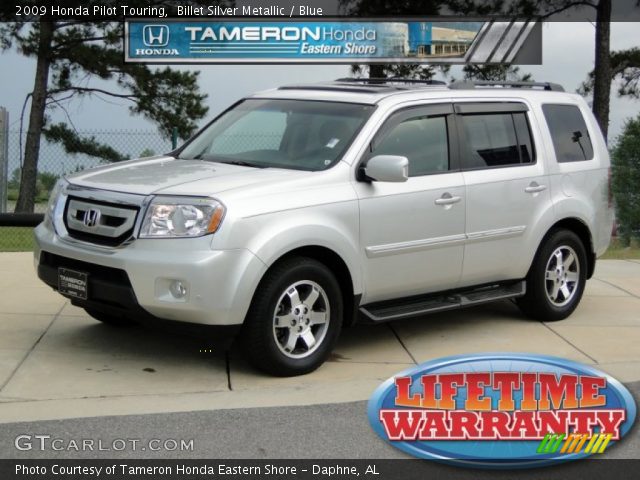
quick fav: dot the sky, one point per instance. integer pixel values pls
(568, 52)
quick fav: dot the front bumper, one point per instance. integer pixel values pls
(136, 278)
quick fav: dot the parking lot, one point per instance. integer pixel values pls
(56, 362)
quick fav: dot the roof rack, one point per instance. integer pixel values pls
(386, 80)
(470, 85)
(337, 87)
(365, 85)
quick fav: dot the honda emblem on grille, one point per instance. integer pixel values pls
(91, 217)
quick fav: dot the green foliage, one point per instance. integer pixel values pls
(622, 251)
(14, 182)
(44, 184)
(73, 143)
(47, 180)
(520, 8)
(403, 70)
(625, 67)
(495, 73)
(147, 152)
(83, 51)
(78, 59)
(626, 180)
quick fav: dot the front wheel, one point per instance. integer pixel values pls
(557, 278)
(294, 319)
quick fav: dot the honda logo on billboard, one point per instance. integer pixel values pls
(155, 35)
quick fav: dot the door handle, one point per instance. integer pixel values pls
(447, 199)
(534, 187)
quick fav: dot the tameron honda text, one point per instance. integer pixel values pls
(502, 410)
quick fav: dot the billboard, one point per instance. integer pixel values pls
(279, 41)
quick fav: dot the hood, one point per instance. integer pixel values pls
(168, 175)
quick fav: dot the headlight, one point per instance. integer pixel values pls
(50, 216)
(172, 217)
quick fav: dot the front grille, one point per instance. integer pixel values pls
(99, 222)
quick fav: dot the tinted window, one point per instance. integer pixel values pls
(571, 139)
(527, 155)
(423, 140)
(496, 140)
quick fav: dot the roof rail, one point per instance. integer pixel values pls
(379, 80)
(336, 87)
(471, 84)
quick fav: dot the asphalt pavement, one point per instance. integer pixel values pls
(331, 431)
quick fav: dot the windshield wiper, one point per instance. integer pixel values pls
(242, 163)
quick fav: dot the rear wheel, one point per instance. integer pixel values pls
(557, 278)
(108, 318)
(295, 318)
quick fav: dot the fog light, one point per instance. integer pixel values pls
(178, 289)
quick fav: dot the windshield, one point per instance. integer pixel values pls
(295, 134)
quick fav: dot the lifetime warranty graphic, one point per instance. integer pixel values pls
(326, 41)
(502, 410)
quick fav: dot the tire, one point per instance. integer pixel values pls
(108, 318)
(294, 319)
(554, 290)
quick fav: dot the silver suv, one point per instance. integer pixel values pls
(303, 209)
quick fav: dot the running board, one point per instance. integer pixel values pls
(420, 305)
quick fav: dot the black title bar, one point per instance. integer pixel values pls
(112, 10)
(411, 469)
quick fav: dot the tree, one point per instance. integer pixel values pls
(69, 55)
(544, 9)
(73, 143)
(147, 152)
(47, 180)
(626, 178)
(495, 73)
(400, 70)
(14, 183)
(540, 9)
(602, 77)
(625, 67)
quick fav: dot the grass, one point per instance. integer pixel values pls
(16, 239)
(618, 252)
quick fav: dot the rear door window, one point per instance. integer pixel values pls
(495, 139)
(568, 129)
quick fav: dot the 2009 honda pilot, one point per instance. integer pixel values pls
(302, 209)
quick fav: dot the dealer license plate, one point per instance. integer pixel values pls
(73, 283)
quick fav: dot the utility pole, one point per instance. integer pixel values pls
(4, 158)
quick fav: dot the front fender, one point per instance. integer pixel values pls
(333, 226)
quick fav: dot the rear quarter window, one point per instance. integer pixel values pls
(571, 140)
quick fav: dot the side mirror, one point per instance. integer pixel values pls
(387, 168)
